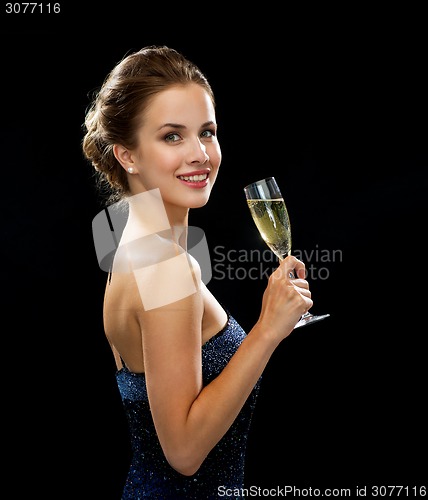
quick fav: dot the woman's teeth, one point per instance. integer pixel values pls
(193, 178)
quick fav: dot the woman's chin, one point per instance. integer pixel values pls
(199, 203)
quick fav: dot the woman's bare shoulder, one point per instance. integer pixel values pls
(121, 292)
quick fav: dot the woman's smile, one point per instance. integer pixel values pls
(196, 179)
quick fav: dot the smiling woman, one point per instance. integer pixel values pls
(187, 373)
(169, 150)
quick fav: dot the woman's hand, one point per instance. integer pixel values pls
(285, 299)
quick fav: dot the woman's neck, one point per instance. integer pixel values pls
(148, 214)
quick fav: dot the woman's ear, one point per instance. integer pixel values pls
(124, 157)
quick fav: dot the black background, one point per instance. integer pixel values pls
(334, 105)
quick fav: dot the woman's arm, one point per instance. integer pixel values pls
(189, 418)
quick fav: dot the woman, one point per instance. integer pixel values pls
(187, 372)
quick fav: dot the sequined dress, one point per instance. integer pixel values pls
(150, 475)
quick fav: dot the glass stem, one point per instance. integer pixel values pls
(293, 276)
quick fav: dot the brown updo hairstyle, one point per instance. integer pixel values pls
(114, 115)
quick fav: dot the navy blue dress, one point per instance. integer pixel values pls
(150, 475)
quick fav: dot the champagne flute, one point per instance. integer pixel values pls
(270, 215)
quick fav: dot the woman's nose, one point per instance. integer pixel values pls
(198, 153)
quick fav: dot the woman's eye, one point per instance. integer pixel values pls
(207, 133)
(172, 137)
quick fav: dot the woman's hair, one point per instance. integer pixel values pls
(114, 115)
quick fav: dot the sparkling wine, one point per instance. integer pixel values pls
(273, 223)
(269, 212)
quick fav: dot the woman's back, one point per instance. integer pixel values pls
(150, 475)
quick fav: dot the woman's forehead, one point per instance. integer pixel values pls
(179, 104)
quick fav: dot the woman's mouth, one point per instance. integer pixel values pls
(195, 180)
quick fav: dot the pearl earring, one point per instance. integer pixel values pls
(130, 170)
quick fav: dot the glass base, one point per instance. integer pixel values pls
(308, 318)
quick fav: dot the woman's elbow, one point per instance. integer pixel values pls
(184, 462)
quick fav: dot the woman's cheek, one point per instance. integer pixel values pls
(215, 157)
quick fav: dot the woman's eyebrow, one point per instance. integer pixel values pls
(171, 125)
(179, 126)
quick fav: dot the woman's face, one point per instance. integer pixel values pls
(178, 151)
